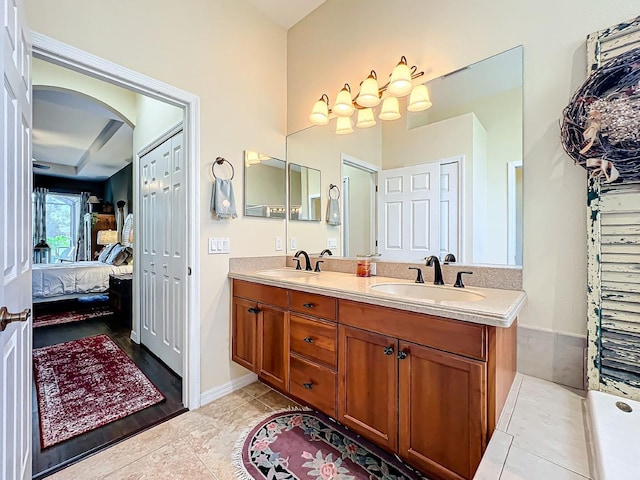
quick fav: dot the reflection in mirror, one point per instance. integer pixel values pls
(304, 193)
(449, 178)
(264, 186)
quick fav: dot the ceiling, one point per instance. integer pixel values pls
(77, 136)
(286, 12)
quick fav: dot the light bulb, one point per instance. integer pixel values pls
(390, 109)
(369, 95)
(419, 99)
(344, 103)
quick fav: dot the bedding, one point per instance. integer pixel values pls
(68, 278)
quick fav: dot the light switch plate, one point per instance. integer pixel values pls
(293, 243)
(332, 243)
(218, 245)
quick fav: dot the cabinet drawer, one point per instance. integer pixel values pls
(261, 293)
(313, 384)
(467, 339)
(314, 339)
(316, 305)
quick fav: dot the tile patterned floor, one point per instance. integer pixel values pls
(540, 436)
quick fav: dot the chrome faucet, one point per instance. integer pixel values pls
(437, 271)
(306, 259)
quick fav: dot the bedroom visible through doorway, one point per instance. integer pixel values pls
(83, 228)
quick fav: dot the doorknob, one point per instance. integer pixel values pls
(6, 318)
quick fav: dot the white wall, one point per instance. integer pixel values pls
(155, 118)
(209, 48)
(441, 37)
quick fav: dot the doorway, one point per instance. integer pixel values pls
(55, 52)
(359, 186)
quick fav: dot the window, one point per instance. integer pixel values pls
(63, 217)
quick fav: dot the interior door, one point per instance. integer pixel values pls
(449, 210)
(163, 306)
(16, 246)
(409, 212)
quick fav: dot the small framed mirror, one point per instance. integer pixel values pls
(304, 193)
(264, 186)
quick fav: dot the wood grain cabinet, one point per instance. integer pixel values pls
(428, 388)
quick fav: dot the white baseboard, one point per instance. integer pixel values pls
(225, 389)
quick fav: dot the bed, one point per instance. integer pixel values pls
(73, 278)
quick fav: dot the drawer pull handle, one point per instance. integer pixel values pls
(308, 339)
(388, 350)
(308, 385)
(308, 305)
(402, 355)
(254, 310)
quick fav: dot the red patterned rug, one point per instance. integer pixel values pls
(71, 316)
(85, 384)
(303, 444)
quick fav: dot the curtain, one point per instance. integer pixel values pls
(81, 254)
(39, 214)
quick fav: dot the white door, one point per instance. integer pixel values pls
(449, 210)
(16, 246)
(409, 212)
(162, 306)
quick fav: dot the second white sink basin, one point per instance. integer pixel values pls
(287, 273)
(434, 293)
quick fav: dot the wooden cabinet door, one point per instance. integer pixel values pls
(368, 385)
(273, 346)
(442, 411)
(244, 331)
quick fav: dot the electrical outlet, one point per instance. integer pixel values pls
(332, 243)
(293, 243)
(278, 244)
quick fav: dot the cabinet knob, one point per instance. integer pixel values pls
(254, 310)
(308, 339)
(388, 350)
(308, 385)
(402, 355)
(308, 305)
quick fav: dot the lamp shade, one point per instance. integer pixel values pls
(251, 158)
(419, 99)
(93, 199)
(106, 237)
(400, 81)
(390, 109)
(320, 113)
(369, 95)
(343, 126)
(344, 103)
(365, 118)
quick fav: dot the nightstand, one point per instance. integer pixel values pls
(120, 288)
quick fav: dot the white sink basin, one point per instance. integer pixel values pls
(287, 273)
(435, 293)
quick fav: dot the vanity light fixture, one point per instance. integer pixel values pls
(370, 96)
(254, 158)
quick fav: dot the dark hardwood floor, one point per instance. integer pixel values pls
(52, 459)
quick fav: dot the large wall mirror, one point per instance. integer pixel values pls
(264, 186)
(449, 178)
(304, 193)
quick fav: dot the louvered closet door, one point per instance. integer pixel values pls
(163, 219)
(613, 249)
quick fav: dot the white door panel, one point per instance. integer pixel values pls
(163, 306)
(449, 210)
(16, 248)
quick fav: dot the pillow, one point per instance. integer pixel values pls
(116, 254)
(104, 254)
(129, 259)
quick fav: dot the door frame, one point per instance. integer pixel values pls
(66, 56)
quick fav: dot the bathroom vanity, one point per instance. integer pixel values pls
(426, 380)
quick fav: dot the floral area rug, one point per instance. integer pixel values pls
(309, 445)
(57, 318)
(85, 384)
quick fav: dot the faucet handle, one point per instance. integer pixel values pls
(419, 278)
(459, 283)
(317, 269)
(298, 264)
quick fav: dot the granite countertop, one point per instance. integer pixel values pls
(498, 308)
